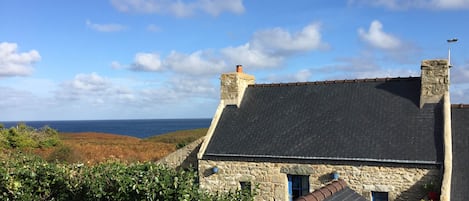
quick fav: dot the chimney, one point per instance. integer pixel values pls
(434, 81)
(233, 86)
(239, 68)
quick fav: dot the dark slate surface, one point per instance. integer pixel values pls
(460, 174)
(346, 194)
(365, 121)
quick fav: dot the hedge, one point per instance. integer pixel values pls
(28, 177)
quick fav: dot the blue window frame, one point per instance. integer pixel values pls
(298, 185)
(379, 196)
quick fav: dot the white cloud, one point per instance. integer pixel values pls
(302, 75)
(153, 28)
(15, 97)
(215, 7)
(116, 65)
(178, 89)
(201, 62)
(13, 63)
(365, 65)
(459, 93)
(248, 56)
(268, 48)
(84, 86)
(193, 87)
(88, 82)
(280, 40)
(179, 8)
(419, 4)
(105, 27)
(460, 74)
(450, 4)
(23, 105)
(363, 62)
(377, 38)
(147, 62)
(197, 63)
(384, 73)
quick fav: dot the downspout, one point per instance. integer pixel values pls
(448, 151)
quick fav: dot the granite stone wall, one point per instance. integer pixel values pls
(401, 183)
(434, 80)
(185, 157)
(233, 86)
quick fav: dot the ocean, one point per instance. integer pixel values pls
(141, 128)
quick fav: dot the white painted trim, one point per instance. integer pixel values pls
(211, 129)
(448, 150)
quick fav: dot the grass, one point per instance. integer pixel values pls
(179, 136)
(92, 148)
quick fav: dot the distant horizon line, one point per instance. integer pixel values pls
(19, 121)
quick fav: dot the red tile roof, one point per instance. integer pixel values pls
(335, 191)
(324, 192)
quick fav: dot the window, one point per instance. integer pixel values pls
(298, 185)
(379, 196)
(245, 186)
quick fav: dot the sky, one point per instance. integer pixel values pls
(154, 59)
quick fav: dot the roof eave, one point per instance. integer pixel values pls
(393, 161)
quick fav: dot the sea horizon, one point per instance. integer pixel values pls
(141, 128)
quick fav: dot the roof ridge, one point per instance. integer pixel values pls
(460, 106)
(387, 79)
(325, 191)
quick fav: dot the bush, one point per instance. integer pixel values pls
(24, 177)
(3, 138)
(23, 136)
(64, 154)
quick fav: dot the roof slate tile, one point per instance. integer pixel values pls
(460, 135)
(332, 121)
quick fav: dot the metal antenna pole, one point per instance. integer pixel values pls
(453, 40)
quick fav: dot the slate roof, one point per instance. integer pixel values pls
(335, 191)
(460, 135)
(374, 120)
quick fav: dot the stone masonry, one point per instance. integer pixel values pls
(434, 80)
(185, 157)
(233, 86)
(402, 183)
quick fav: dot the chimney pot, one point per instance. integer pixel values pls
(239, 68)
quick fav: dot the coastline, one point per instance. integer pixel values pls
(141, 128)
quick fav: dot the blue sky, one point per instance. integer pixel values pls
(149, 59)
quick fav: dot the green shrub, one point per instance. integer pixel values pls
(23, 136)
(3, 138)
(64, 154)
(25, 177)
(47, 137)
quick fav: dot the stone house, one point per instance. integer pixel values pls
(385, 138)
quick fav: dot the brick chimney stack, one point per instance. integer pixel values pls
(233, 86)
(434, 81)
